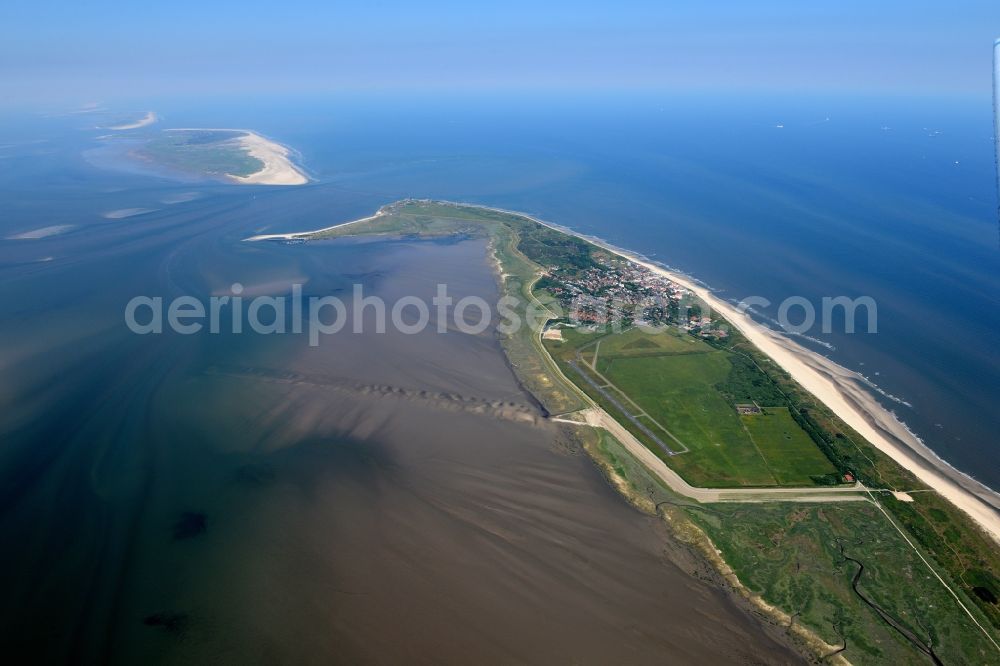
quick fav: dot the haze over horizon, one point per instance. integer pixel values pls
(61, 51)
(535, 332)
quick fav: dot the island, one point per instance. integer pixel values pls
(230, 155)
(800, 492)
(147, 119)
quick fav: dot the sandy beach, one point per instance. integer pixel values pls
(278, 169)
(302, 234)
(840, 389)
(127, 212)
(147, 119)
(843, 392)
(44, 232)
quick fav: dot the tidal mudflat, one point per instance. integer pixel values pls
(250, 498)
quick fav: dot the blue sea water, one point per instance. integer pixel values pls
(247, 498)
(771, 196)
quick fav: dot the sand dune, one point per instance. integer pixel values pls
(278, 169)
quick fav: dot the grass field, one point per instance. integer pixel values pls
(795, 556)
(211, 152)
(790, 554)
(674, 384)
(678, 392)
(507, 233)
(414, 220)
(790, 454)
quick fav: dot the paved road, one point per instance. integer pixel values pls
(597, 417)
(638, 424)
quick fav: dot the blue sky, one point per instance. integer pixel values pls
(75, 50)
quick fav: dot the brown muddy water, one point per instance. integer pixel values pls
(381, 498)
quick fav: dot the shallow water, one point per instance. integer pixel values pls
(252, 499)
(888, 197)
(244, 496)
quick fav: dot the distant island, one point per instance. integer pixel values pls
(232, 155)
(808, 498)
(148, 119)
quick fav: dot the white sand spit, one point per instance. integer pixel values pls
(127, 212)
(278, 168)
(147, 119)
(180, 197)
(44, 232)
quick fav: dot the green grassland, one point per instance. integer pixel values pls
(789, 554)
(204, 152)
(678, 392)
(410, 221)
(791, 455)
(507, 233)
(955, 542)
(651, 341)
(795, 557)
(679, 383)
